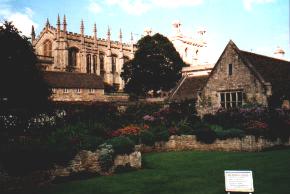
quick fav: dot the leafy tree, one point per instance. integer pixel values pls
(155, 66)
(21, 82)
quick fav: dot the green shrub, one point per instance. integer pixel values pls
(91, 142)
(134, 139)
(121, 145)
(223, 134)
(106, 159)
(147, 138)
(205, 135)
(233, 132)
(184, 127)
(162, 135)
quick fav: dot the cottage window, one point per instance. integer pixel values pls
(65, 90)
(92, 90)
(53, 90)
(230, 69)
(78, 90)
(231, 99)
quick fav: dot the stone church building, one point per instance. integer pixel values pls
(76, 55)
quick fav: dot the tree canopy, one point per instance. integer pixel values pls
(21, 82)
(156, 66)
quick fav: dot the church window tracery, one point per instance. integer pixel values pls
(114, 61)
(47, 48)
(72, 58)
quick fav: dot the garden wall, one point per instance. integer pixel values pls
(85, 162)
(189, 142)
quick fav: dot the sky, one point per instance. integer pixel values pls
(254, 25)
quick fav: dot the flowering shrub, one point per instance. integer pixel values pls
(256, 125)
(128, 130)
(149, 118)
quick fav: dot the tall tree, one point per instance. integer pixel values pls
(156, 66)
(21, 83)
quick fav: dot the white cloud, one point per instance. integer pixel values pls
(138, 7)
(94, 7)
(248, 4)
(21, 19)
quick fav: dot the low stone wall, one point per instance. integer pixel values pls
(87, 161)
(189, 142)
(83, 162)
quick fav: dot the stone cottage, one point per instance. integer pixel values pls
(241, 77)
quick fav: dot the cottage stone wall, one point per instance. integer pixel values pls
(189, 142)
(72, 95)
(242, 78)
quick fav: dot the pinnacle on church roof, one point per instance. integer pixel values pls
(47, 23)
(58, 20)
(82, 27)
(64, 23)
(64, 20)
(131, 36)
(109, 31)
(58, 23)
(32, 32)
(120, 35)
(95, 28)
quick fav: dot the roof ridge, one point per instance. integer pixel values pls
(264, 56)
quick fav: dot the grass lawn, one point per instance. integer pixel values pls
(188, 172)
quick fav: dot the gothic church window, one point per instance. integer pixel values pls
(102, 65)
(114, 60)
(94, 64)
(72, 58)
(89, 64)
(47, 48)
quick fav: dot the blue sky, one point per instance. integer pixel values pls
(254, 25)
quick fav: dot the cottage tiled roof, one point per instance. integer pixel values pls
(73, 80)
(188, 88)
(274, 71)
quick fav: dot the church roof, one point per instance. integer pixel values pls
(188, 88)
(73, 80)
